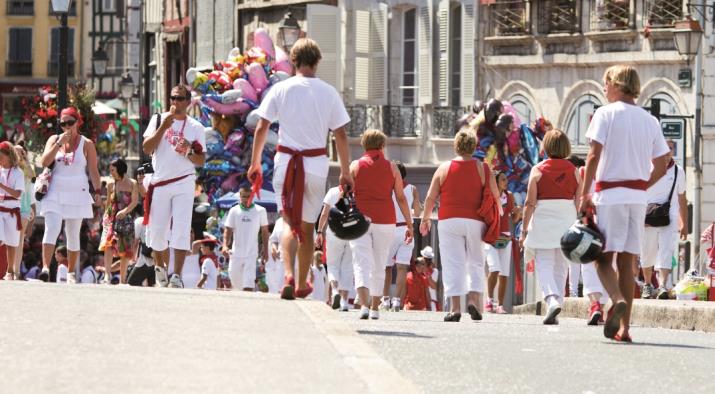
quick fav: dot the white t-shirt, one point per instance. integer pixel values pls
(89, 275)
(433, 292)
(410, 199)
(631, 139)
(166, 161)
(246, 226)
(332, 196)
(14, 179)
(319, 284)
(209, 269)
(658, 193)
(306, 109)
(62, 272)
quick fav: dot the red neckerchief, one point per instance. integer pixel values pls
(211, 256)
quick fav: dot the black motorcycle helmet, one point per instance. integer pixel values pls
(582, 243)
(345, 220)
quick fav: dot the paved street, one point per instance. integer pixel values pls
(119, 339)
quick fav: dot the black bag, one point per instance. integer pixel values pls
(658, 215)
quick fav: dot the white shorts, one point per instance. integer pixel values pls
(499, 260)
(659, 247)
(339, 258)
(9, 234)
(170, 217)
(369, 256)
(400, 252)
(462, 255)
(622, 225)
(242, 271)
(274, 275)
(313, 194)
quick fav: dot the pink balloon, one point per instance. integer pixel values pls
(262, 39)
(236, 108)
(257, 76)
(247, 90)
(282, 62)
(509, 110)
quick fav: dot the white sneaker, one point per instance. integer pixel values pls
(364, 313)
(162, 278)
(176, 282)
(9, 276)
(71, 278)
(395, 304)
(384, 304)
(551, 314)
(374, 315)
(343, 305)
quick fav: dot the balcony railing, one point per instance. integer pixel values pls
(53, 69)
(445, 119)
(395, 121)
(18, 68)
(559, 16)
(611, 15)
(662, 13)
(509, 18)
(15, 7)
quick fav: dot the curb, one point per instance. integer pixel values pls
(672, 314)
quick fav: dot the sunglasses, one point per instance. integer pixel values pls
(177, 98)
(68, 123)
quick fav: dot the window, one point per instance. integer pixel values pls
(455, 53)
(662, 13)
(19, 59)
(558, 16)
(53, 65)
(667, 104)
(580, 117)
(108, 6)
(409, 56)
(509, 17)
(611, 15)
(20, 7)
(523, 109)
(115, 50)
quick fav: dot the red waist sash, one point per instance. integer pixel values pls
(636, 184)
(150, 194)
(14, 212)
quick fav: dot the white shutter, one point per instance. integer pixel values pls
(378, 54)
(362, 55)
(444, 52)
(224, 17)
(424, 68)
(204, 36)
(323, 26)
(468, 70)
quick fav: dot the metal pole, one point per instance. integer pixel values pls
(697, 167)
(62, 70)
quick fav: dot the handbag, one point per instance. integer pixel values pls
(124, 226)
(42, 183)
(658, 215)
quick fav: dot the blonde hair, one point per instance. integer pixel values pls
(318, 256)
(305, 52)
(27, 169)
(8, 150)
(624, 78)
(465, 141)
(373, 139)
(556, 144)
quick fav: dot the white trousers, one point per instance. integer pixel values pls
(242, 271)
(499, 260)
(592, 282)
(462, 256)
(274, 275)
(400, 253)
(369, 257)
(53, 225)
(339, 259)
(552, 268)
(171, 209)
(574, 278)
(659, 247)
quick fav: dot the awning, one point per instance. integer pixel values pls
(99, 108)
(116, 103)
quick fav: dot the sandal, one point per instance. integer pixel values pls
(9, 276)
(613, 324)
(624, 339)
(287, 293)
(453, 317)
(302, 293)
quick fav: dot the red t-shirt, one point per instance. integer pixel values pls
(416, 294)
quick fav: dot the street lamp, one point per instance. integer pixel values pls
(62, 7)
(100, 59)
(126, 87)
(687, 36)
(289, 31)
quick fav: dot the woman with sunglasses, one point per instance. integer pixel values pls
(12, 184)
(27, 203)
(68, 198)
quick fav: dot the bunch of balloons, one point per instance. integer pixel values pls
(229, 96)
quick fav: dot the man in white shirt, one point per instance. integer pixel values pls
(627, 155)
(338, 254)
(306, 109)
(659, 242)
(244, 223)
(177, 147)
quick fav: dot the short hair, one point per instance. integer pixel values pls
(465, 141)
(120, 165)
(183, 88)
(373, 139)
(62, 250)
(576, 161)
(556, 144)
(401, 166)
(318, 255)
(625, 78)
(244, 189)
(305, 52)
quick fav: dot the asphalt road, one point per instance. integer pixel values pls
(101, 339)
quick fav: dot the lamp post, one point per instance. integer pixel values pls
(289, 31)
(62, 7)
(126, 91)
(100, 59)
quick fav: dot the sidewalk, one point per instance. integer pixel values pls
(679, 315)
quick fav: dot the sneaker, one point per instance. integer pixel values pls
(336, 301)
(364, 313)
(160, 275)
(595, 314)
(9, 276)
(600, 319)
(303, 293)
(395, 304)
(71, 278)
(384, 304)
(500, 310)
(474, 312)
(648, 291)
(374, 315)
(343, 306)
(175, 282)
(663, 294)
(489, 307)
(551, 314)
(453, 317)
(44, 275)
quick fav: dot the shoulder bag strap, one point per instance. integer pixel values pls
(672, 188)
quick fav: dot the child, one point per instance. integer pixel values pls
(319, 278)
(62, 264)
(209, 265)
(12, 184)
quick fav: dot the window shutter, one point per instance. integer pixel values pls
(424, 37)
(205, 36)
(467, 70)
(55, 44)
(323, 26)
(224, 16)
(444, 58)
(362, 55)
(378, 54)
(24, 48)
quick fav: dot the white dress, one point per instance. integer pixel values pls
(68, 194)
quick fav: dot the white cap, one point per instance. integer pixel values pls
(427, 252)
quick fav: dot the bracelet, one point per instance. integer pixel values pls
(319, 231)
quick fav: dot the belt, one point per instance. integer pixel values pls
(150, 194)
(401, 224)
(16, 213)
(636, 184)
(294, 185)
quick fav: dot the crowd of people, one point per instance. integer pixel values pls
(144, 236)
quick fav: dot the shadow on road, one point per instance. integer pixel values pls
(668, 345)
(394, 334)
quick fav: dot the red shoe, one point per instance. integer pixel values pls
(287, 293)
(600, 319)
(595, 314)
(302, 293)
(489, 307)
(624, 338)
